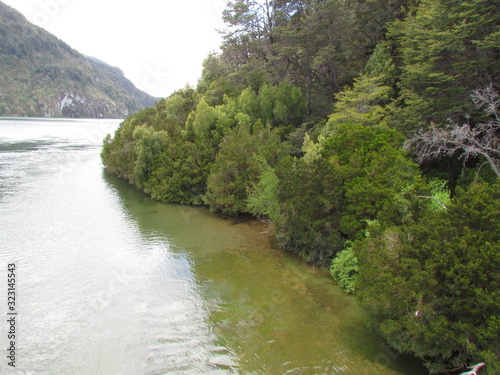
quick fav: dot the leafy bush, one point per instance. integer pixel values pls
(344, 269)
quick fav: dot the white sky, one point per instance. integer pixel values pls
(159, 44)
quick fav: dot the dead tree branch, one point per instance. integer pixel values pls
(472, 141)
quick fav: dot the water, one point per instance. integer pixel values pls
(110, 282)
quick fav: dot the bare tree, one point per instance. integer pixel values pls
(482, 139)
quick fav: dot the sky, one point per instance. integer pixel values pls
(160, 45)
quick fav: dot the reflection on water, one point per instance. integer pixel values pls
(111, 282)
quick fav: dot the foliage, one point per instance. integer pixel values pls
(180, 172)
(432, 287)
(445, 52)
(149, 144)
(363, 103)
(237, 168)
(263, 195)
(381, 65)
(344, 269)
(358, 176)
(374, 170)
(319, 46)
(310, 201)
(440, 195)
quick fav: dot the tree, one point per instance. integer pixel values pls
(432, 287)
(263, 195)
(310, 206)
(149, 144)
(374, 171)
(315, 45)
(445, 49)
(119, 153)
(466, 140)
(179, 174)
(358, 174)
(363, 103)
(237, 166)
(344, 270)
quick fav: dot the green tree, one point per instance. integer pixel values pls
(237, 166)
(179, 174)
(344, 269)
(381, 65)
(432, 288)
(310, 203)
(119, 153)
(445, 51)
(359, 174)
(364, 103)
(149, 144)
(205, 118)
(374, 171)
(263, 195)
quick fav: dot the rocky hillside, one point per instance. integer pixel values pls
(41, 76)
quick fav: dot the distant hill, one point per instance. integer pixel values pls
(41, 76)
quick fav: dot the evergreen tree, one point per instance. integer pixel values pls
(237, 166)
(446, 49)
(432, 288)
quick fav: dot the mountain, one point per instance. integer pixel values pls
(41, 76)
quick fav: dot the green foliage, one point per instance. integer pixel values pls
(445, 53)
(318, 46)
(149, 144)
(204, 119)
(172, 112)
(362, 103)
(263, 195)
(382, 65)
(344, 269)
(441, 196)
(237, 166)
(310, 201)
(374, 170)
(179, 174)
(214, 83)
(432, 288)
(282, 104)
(359, 175)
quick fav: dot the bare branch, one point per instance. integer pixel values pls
(482, 139)
(488, 98)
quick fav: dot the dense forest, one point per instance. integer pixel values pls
(367, 134)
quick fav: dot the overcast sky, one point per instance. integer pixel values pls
(159, 44)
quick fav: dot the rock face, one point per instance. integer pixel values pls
(41, 76)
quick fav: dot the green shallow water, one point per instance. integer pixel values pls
(112, 282)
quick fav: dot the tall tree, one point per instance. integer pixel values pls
(446, 49)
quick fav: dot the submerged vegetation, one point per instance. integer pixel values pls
(367, 134)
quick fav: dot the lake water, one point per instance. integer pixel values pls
(109, 281)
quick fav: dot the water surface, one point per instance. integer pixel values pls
(111, 282)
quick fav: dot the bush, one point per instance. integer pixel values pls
(344, 269)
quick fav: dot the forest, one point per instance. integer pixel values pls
(366, 133)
